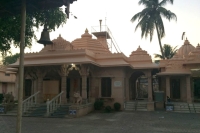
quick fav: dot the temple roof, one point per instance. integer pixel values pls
(194, 56)
(185, 49)
(58, 44)
(140, 55)
(86, 42)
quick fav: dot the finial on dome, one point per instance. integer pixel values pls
(59, 35)
(86, 30)
(186, 42)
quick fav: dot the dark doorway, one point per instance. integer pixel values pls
(28, 87)
(175, 88)
(196, 83)
(68, 88)
(105, 87)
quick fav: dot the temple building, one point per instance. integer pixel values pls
(86, 65)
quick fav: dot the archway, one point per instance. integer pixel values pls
(138, 86)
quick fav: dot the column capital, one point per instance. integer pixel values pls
(84, 70)
(63, 71)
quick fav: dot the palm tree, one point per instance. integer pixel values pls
(151, 17)
(168, 52)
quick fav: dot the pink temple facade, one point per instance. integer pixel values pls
(87, 66)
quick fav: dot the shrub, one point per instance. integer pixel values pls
(98, 105)
(117, 106)
(108, 109)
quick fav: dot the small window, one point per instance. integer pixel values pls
(106, 87)
(7, 74)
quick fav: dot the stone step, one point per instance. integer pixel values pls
(140, 106)
(182, 111)
(141, 109)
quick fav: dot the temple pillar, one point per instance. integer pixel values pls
(167, 87)
(149, 78)
(84, 87)
(188, 86)
(40, 88)
(41, 72)
(16, 86)
(150, 104)
(150, 96)
(63, 88)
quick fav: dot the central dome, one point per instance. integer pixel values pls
(86, 42)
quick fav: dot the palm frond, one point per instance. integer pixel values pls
(164, 2)
(151, 17)
(158, 56)
(168, 50)
(167, 14)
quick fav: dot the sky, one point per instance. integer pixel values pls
(116, 14)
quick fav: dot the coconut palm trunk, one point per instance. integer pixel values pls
(159, 39)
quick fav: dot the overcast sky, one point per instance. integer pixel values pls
(117, 15)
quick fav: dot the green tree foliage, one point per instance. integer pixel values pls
(150, 18)
(10, 59)
(10, 26)
(168, 51)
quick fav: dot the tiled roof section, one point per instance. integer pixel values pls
(176, 57)
(140, 55)
(185, 49)
(58, 44)
(86, 42)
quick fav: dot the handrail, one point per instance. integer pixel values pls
(30, 101)
(54, 103)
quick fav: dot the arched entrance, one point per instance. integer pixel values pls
(138, 86)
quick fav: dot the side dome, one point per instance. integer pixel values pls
(195, 54)
(185, 49)
(140, 55)
(58, 44)
(86, 42)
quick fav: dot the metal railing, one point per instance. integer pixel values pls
(54, 103)
(30, 102)
(112, 43)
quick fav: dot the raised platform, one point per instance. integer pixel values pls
(80, 110)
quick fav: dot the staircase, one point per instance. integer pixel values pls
(187, 108)
(182, 107)
(191, 108)
(136, 106)
(197, 107)
(39, 110)
(141, 106)
(61, 112)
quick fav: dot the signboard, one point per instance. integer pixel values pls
(117, 83)
(1, 109)
(72, 112)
